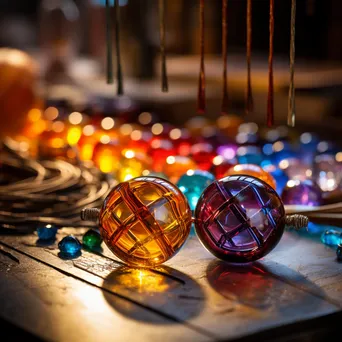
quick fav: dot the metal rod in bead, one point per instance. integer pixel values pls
(90, 214)
(296, 221)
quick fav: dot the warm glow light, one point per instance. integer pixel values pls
(338, 157)
(105, 139)
(190, 172)
(249, 127)
(107, 123)
(278, 146)
(284, 164)
(218, 160)
(145, 118)
(86, 152)
(157, 128)
(75, 118)
(34, 114)
(57, 143)
(126, 129)
(136, 135)
(292, 182)
(308, 173)
(175, 133)
(129, 154)
(51, 113)
(88, 130)
(146, 172)
(74, 135)
(170, 160)
(238, 168)
(58, 126)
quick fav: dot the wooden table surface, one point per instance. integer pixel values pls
(294, 293)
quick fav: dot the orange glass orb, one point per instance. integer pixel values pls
(145, 221)
(106, 155)
(252, 170)
(52, 144)
(177, 166)
(132, 165)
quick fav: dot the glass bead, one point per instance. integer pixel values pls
(327, 172)
(176, 166)
(69, 246)
(92, 239)
(159, 150)
(193, 183)
(332, 237)
(131, 165)
(339, 252)
(203, 154)
(304, 192)
(221, 166)
(239, 219)
(145, 221)
(47, 232)
(279, 176)
(227, 151)
(249, 155)
(254, 171)
(106, 154)
(295, 168)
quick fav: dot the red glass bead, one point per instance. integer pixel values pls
(239, 219)
(203, 154)
(159, 150)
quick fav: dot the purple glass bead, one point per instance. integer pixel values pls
(302, 193)
(239, 219)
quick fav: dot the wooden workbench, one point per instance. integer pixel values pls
(293, 293)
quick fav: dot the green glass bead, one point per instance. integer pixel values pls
(92, 239)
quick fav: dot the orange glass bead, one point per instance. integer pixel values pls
(254, 171)
(145, 221)
(177, 166)
(106, 155)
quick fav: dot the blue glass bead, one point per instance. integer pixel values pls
(278, 174)
(47, 232)
(69, 245)
(249, 155)
(339, 252)
(332, 237)
(193, 183)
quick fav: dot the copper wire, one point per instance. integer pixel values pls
(225, 99)
(201, 83)
(270, 100)
(291, 116)
(249, 95)
(164, 85)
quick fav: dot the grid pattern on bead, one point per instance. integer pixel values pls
(243, 217)
(140, 215)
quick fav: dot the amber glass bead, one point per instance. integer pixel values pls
(254, 171)
(177, 166)
(106, 156)
(145, 221)
(132, 165)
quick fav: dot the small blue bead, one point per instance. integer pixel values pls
(339, 252)
(332, 237)
(69, 245)
(47, 232)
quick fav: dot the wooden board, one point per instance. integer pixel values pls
(192, 297)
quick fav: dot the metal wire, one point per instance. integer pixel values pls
(47, 192)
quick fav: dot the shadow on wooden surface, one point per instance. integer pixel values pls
(157, 287)
(254, 285)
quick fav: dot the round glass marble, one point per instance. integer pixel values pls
(254, 171)
(239, 219)
(303, 192)
(193, 183)
(145, 221)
